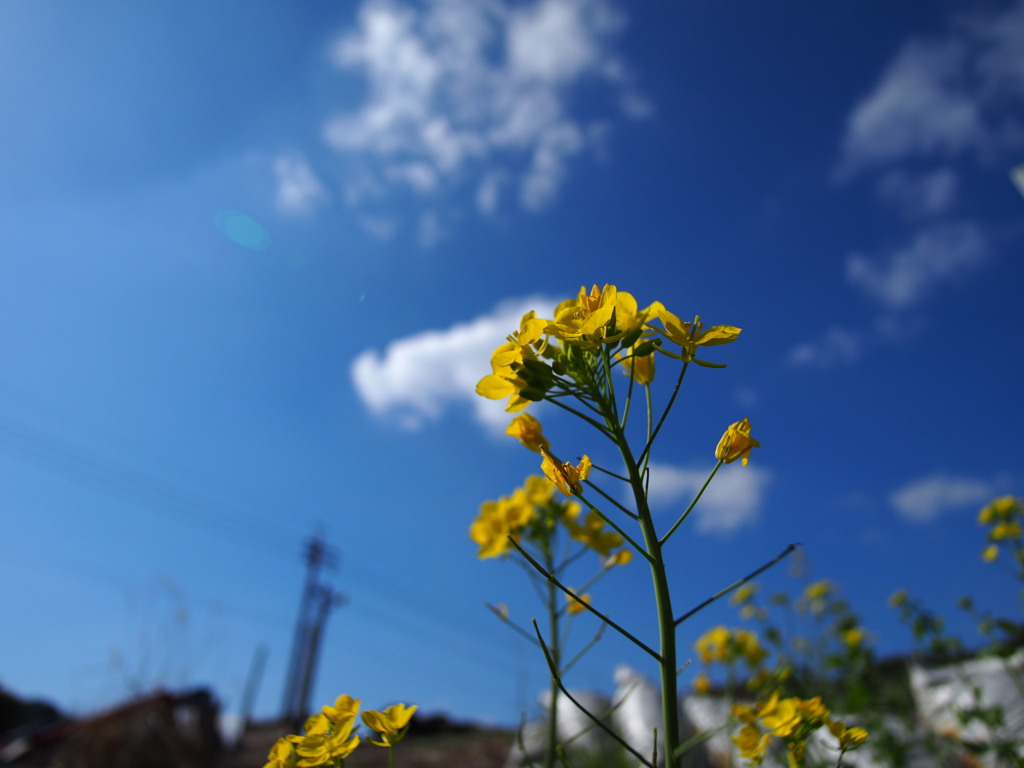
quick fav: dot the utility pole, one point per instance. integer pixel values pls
(318, 599)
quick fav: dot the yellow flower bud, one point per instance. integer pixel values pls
(701, 684)
(736, 443)
(640, 368)
(990, 553)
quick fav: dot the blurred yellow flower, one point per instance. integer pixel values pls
(744, 593)
(853, 637)
(736, 443)
(538, 489)
(1005, 531)
(391, 724)
(641, 369)
(500, 519)
(752, 743)
(781, 717)
(701, 684)
(564, 475)
(345, 708)
(282, 755)
(573, 607)
(326, 741)
(898, 598)
(851, 738)
(592, 534)
(818, 589)
(528, 430)
(713, 645)
(622, 557)
(990, 553)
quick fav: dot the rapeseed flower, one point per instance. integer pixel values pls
(528, 430)
(391, 724)
(564, 475)
(701, 684)
(500, 519)
(736, 443)
(713, 645)
(677, 331)
(282, 755)
(345, 708)
(508, 361)
(990, 553)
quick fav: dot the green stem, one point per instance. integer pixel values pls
(391, 756)
(692, 503)
(610, 499)
(552, 605)
(583, 416)
(610, 522)
(663, 601)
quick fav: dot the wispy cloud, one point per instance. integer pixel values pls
(475, 93)
(732, 500)
(419, 375)
(919, 196)
(837, 346)
(902, 278)
(944, 96)
(299, 191)
(925, 499)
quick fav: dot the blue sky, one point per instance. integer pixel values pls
(254, 256)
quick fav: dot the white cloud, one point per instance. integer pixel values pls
(920, 107)
(419, 375)
(732, 500)
(460, 91)
(906, 276)
(924, 499)
(944, 96)
(1017, 177)
(299, 191)
(919, 196)
(835, 347)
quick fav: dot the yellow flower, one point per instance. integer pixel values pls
(508, 361)
(679, 332)
(990, 553)
(752, 743)
(585, 316)
(528, 430)
(853, 637)
(744, 593)
(780, 717)
(564, 475)
(538, 489)
(500, 519)
(851, 738)
(327, 741)
(818, 589)
(736, 443)
(391, 724)
(1005, 531)
(748, 646)
(345, 708)
(1002, 508)
(641, 369)
(593, 534)
(701, 684)
(812, 710)
(573, 607)
(282, 755)
(622, 557)
(713, 645)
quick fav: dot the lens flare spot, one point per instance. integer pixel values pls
(243, 230)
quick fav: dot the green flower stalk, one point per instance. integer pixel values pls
(569, 362)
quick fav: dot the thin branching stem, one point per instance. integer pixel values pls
(584, 710)
(693, 503)
(512, 624)
(664, 415)
(613, 501)
(583, 416)
(741, 582)
(610, 522)
(608, 472)
(583, 650)
(574, 596)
